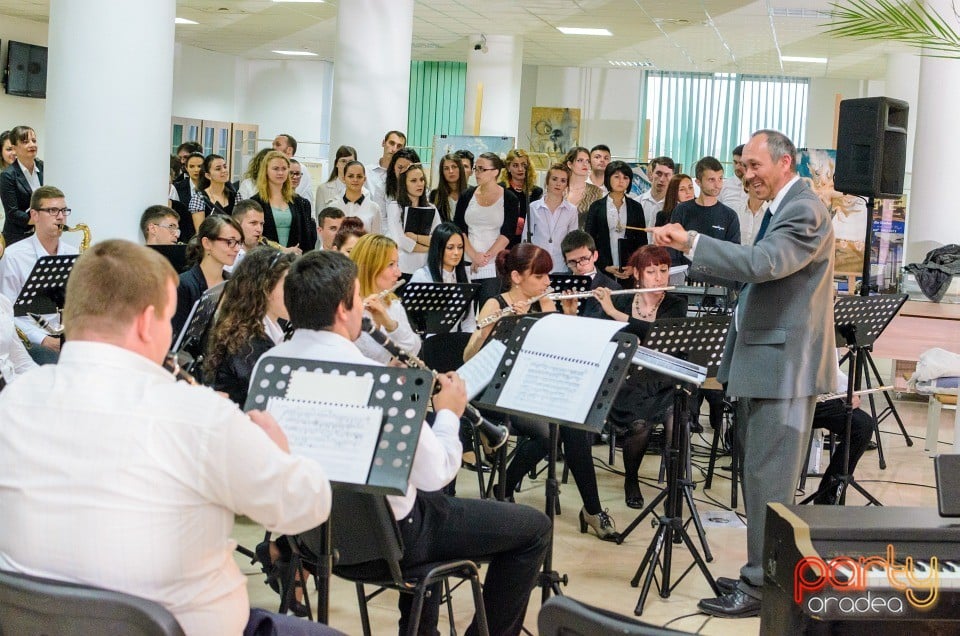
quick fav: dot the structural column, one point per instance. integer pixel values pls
(494, 67)
(109, 95)
(371, 74)
(931, 219)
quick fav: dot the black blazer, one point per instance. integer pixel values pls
(535, 194)
(15, 193)
(191, 287)
(233, 373)
(181, 207)
(511, 211)
(597, 227)
(303, 228)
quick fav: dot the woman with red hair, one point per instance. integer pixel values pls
(645, 399)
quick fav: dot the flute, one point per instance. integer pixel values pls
(613, 292)
(509, 310)
(826, 397)
(386, 292)
(494, 434)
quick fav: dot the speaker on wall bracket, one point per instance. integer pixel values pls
(871, 147)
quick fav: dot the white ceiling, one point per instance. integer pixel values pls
(684, 35)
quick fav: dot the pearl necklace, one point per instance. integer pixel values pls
(645, 315)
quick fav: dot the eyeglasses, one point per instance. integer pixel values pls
(173, 229)
(583, 260)
(56, 211)
(230, 242)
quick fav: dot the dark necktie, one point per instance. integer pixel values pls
(763, 225)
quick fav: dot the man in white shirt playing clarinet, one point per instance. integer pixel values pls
(323, 299)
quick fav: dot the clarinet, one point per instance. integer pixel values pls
(174, 363)
(494, 434)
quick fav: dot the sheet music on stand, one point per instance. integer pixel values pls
(565, 369)
(863, 318)
(437, 307)
(310, 398)
(199, 320)
(45, 289)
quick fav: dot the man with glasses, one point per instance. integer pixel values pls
(580, 255)
(48, 212)
(160, 225)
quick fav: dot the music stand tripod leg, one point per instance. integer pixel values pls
(892, 409)
(688, 487)
(550, 579)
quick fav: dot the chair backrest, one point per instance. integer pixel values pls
(34, 606)
(365, 538)
(563, 616)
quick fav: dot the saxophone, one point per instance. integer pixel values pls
(79, 227)
(265, 241)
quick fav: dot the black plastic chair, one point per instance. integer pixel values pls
(563, 616)
(367, 542)
(34, 606)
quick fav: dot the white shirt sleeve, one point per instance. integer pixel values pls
(404, 335)
(248, 188)
(438, 453)
(395, 228)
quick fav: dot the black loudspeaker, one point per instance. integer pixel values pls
(871, 147)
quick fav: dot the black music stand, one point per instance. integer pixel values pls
(606, 389)
(193, 335)
(437, 307)
(865, 318)
(570, 282)
(699, 342)
(403, 394)
(176, 254)
(859, 320)
(45, 289)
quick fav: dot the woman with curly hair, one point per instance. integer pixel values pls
(248, 321)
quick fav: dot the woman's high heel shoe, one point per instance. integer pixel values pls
(601, 523)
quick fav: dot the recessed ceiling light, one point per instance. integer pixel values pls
(581, 31)
(183, 21)
(808, 60)
(631, 63)
(300, 53)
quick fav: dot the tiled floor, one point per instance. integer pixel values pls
(600, 572)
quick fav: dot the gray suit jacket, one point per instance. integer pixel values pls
(784, 347)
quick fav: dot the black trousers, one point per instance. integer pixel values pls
(832, 416)
(577, 453)
(513, 538)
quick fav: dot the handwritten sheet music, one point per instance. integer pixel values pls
(478, 371)
(560, 367)
(327, 387)
(340, 437)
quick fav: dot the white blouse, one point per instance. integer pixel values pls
(365, 209)
(484, 224)
(547, 229)
(410, 261)
(403, 336)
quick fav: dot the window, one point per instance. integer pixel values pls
(697, 114)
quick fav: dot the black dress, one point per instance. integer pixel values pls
(644, 395)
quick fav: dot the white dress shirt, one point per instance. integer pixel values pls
(329, 192)
(15, 267)
(547, 229)
(733, 195)
(248, 188)
(364, 209)
(14, 359)
(469, 322)
(437, 457)
(410, 261)
(377, 184)
(750, 222)
(651, 207)
(115, 475)
(33, 178)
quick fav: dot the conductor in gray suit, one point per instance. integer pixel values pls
(779, 353)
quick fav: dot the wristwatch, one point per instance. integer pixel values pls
(691, 235)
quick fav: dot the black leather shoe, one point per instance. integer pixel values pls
(635, 502)
(736, 604)
(871, 445)
(726, 585)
